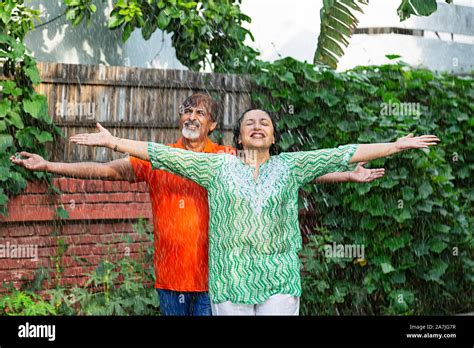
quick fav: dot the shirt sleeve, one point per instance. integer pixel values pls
(308, 165)
(197, 166)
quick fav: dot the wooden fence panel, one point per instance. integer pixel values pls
(132, 103)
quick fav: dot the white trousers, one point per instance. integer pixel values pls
(278, 304)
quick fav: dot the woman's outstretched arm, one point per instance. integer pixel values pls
(368, 152)
(308, 165)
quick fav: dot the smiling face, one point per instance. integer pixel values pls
(256, 130)
(196, 122)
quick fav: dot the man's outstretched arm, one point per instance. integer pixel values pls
(120, 169)
(359, 174)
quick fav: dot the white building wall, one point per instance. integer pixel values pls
(291, 28)
(281, 28)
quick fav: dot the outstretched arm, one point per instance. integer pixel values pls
(360, 174)
(308, 165)
(105, 139)
(368, 152)
(199, 167)
(119, 169)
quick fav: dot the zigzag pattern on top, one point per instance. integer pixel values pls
(254, 236)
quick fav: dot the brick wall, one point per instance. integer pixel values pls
(100, 214)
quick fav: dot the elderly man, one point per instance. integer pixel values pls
(180, 206)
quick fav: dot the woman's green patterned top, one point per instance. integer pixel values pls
(254, 235)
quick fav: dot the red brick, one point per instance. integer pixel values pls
(85, 239)
(71, 185)
(16, 275)
(94, 186)
(125, 186)
(36, 187)
(142, 186)
(44, 230)
(124, 197)
(109, 186)
(142, 197)
(101, 228)
(110, 211)
(76, 281)
(134, 186)
(8, 263)
(118, 197)
(47, 252)
(25, 240)
(81, 186)
(17, 231)
(55, 182)
(71, 198)
(30, 199)
(29, 213)
(63, 184)
(78, 271)
(74, 260)
(74, 229)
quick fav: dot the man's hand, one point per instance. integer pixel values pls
(103, 138)
(361, 174)
(32, 162)
(411, 142)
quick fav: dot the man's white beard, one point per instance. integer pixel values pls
(190, 134)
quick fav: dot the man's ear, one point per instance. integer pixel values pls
(213, 126)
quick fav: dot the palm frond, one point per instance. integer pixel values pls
(338, 23)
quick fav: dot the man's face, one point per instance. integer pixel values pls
(196, 123)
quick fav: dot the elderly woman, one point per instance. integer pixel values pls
(254, 237)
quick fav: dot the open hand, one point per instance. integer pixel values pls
(411, 142)
(31, 162)
(102, 138)
(361, 174)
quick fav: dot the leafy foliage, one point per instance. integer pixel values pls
(122, 287)
(417, 8)
(203, 32)
(416, 222)
(24, 303)
(115, 287)
(337, 25)
(24, 120)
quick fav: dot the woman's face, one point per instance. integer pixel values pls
(256, 130)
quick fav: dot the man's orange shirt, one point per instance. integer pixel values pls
(181, 222)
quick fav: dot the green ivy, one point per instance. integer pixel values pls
(415, 223)
(25, 124)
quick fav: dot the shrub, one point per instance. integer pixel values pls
(416, 222)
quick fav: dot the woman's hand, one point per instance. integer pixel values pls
(103, 138)
(361, 174)
(411, 142)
